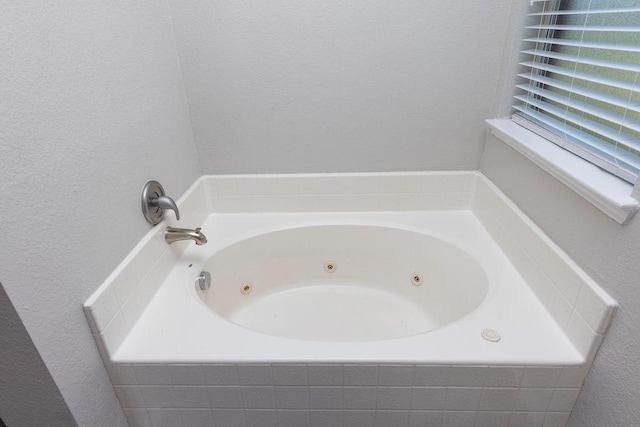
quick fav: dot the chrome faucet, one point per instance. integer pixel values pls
(172, 235)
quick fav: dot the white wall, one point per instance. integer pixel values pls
(609, 253)
(91, 105)
(25, 378)
(330, 86)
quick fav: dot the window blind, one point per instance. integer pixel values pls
(580, 87)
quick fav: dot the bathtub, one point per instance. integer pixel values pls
(440, 312)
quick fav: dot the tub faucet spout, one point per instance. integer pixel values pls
(172, 235)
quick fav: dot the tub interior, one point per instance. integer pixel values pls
(343, 283)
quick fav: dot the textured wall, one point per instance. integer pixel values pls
(608, 252)
(330, 86)
(17, 356)
(91, 105)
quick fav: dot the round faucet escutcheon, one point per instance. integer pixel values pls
(155, 202)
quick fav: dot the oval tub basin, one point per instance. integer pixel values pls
(343, 283)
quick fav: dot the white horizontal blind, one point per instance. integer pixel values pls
(581, 82)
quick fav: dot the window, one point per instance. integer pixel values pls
(581, 84)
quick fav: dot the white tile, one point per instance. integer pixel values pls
(158, 396)
(136, 266)
(593, 310)
(431, 183)
(541, 376)
(293, 418)
(220, 374)
(453, 182)
(392, 418)
(137, 417)
(230, 204)
(325, 397)
(247, 185)
(129, 396)
(255, 375)
(258, 397)
(471, 182)
(191, 396)
(556, 419)
(455, 201)
(462, 399)
(467, 376)
(563, 399)
(390, 183)
(224, 397)
(425, 375)
(197, 417)
(581, 335)
(320, 418)
(121, 374)
(354, 375)
(165, 417)
(324, 374)
(459, 419)
(394, 398)
(573, 376)
(152, 374)
(558, 306)
(186, 374)
(359, 397)
(261, 418)
(526, 419)
(290, 375)
(426, 418)
(226, 186)
(411, 183)
(228, 417)
(288, 185)
(498, 399)
(268, 185)
(246, 203)
(114, 334)
(103, 309)
(306, 184)
(359, 418)
(428, 397)
(292, 397)
(395, 375)
(148, 286)
(503, 376)
(566, 279)
(492, 419)
(533, 399)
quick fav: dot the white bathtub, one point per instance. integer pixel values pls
(470, 286)
(444, 305)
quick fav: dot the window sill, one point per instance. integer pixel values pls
(608, 193)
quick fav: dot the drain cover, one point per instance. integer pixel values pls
(491, 335)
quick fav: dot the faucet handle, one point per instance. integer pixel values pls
(164, 202)
(154, 202)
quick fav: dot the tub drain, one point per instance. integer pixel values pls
(417, 279)
(246, 288)
(490, 335)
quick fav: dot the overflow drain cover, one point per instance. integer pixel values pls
(491, 335)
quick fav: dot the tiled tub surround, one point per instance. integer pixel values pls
(371, 383)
